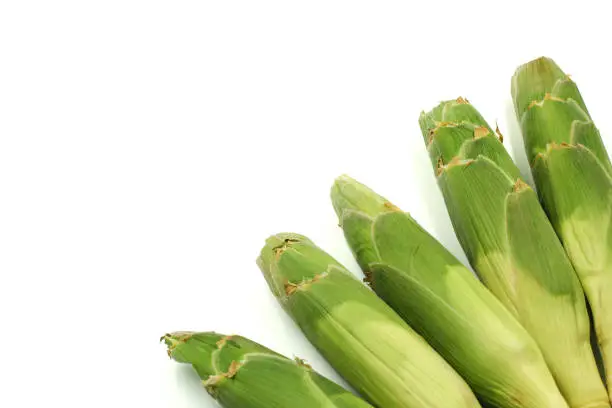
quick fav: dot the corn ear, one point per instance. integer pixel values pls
(573, 174)
(363, 339)
(240, 373)
(512, 246)
(443, 301)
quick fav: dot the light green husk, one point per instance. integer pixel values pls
(443, 301)
(363, 339)
(240, 373)
(573, 175)
(512, 246)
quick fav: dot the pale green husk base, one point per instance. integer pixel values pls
(443, 301)
(573, 175)
(512, 245)
(363, 339)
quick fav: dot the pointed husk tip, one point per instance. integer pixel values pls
(191, 347)
(442, 115)
(347, 194)
(428, 120)
(533, 80)
(278, 259)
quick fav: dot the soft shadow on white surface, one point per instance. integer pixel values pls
(513, 141)
(191, 388)
(434, 216)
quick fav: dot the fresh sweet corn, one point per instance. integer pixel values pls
(512, 245)
(240, 373)
(573, 175)
(443, 301)
(363, 339)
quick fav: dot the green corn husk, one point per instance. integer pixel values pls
(512, 246)
(573, 174)
(363, 339)
(240, 373)
(443, 301)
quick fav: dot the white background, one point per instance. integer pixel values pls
(147, 149)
